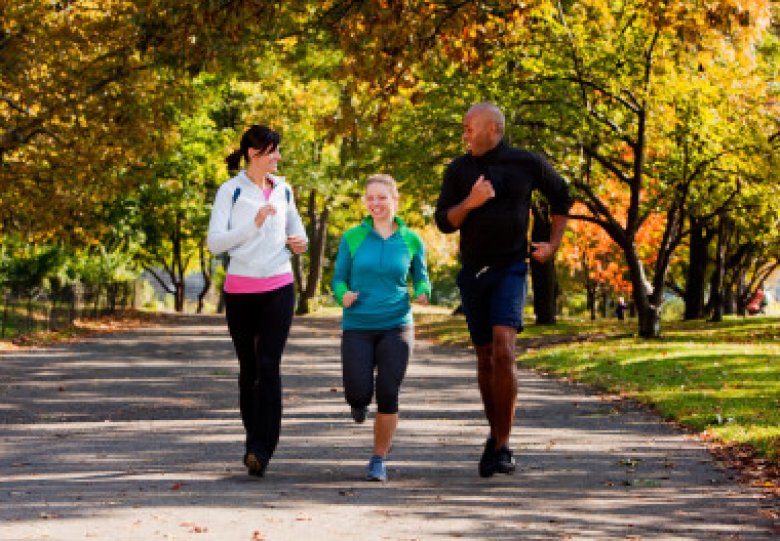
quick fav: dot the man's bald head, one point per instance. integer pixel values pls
(483, 128)
(491, 113)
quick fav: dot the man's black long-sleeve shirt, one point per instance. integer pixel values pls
(496, 233)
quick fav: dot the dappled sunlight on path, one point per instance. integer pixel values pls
(136, 435)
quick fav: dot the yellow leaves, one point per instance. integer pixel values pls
(70, 128)
(441, 249)
(743, 21)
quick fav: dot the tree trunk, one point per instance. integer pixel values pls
(543, 274)
(205, 271)
(743, 295)
(729, 301)
(224, 260)
(178, 304)
(297, 267)
(590, 291)
(177, 269)
(649, 321)
(543, 278)
(716, 284)
(318, 233)
(697, 267)
(648, 312)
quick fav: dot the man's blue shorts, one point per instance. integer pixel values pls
(493, 296)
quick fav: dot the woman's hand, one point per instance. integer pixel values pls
(422, 298)
(297, 243)
(264, 212)
(349, 298)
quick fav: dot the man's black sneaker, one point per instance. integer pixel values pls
(359, 414)
(255, 464)
(487, 463)
(505, 462)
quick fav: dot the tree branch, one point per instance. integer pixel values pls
(160, 281)
(15, 106)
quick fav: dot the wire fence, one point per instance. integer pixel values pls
(28, 310)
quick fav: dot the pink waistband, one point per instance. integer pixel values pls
(248, 284)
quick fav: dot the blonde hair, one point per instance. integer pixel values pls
(386, 180)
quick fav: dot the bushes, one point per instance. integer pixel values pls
(47, 287)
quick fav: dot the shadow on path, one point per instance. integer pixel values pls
(136, 435)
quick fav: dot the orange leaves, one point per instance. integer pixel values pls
(649, 237)
(589, 249)
(481, 34)
(742, 21)
(385, 40)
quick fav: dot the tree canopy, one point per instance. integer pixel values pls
(663, 116)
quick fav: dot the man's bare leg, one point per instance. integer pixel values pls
(497, 378)
(504, 384)
(485, 380)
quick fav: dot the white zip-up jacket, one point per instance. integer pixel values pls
(258, 252)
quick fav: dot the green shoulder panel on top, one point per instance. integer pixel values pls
(355, 237)
(411, 239)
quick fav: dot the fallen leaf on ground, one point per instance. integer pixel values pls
(768, 513)
(194, 528)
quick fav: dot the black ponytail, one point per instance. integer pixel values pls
(259, 137)
(234, 161)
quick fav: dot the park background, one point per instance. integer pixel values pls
(663, 116)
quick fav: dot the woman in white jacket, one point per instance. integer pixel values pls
(254, 220)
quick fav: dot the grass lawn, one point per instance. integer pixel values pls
(719, 379)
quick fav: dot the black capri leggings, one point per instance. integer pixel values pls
(388, 351)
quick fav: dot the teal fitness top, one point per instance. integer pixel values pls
(378, 270)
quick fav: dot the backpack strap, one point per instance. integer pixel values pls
(236, 194)
(234, 198)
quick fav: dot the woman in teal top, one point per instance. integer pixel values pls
(370, 281)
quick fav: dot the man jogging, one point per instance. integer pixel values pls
(486, 194)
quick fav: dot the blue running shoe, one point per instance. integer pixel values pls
(376, 469)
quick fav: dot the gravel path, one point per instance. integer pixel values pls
(136, 436)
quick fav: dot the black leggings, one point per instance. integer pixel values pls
(259, 324)
(388, 351)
